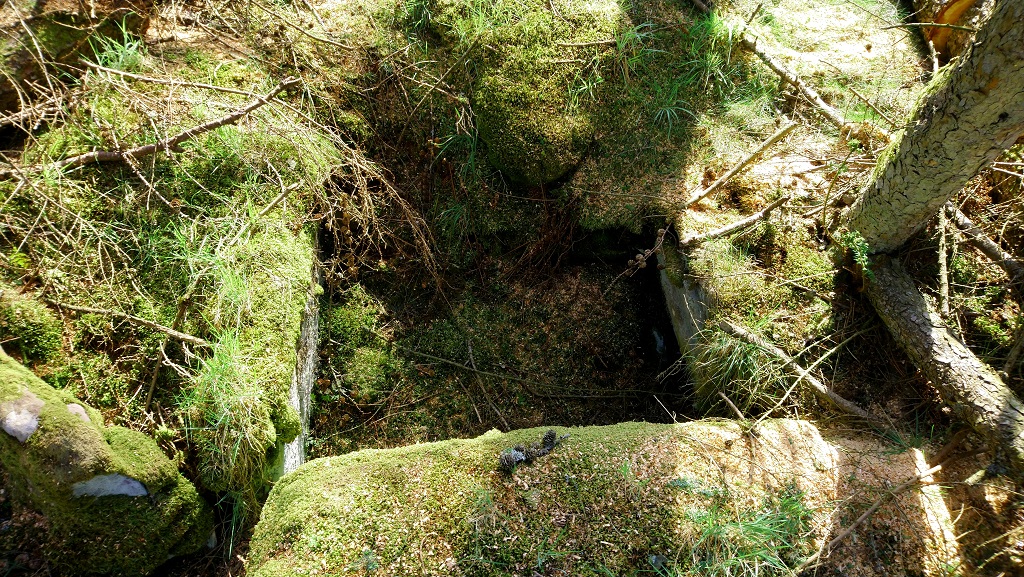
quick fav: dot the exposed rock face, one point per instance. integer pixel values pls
(615, 497)
(112, 498)
(57, 32)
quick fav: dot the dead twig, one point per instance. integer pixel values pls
(872, 106)
(735, 409)
(692, 240)
(818, 387)
(171, 144)
(929, 25)
(906, 485)
(176, 335)
(779, 135)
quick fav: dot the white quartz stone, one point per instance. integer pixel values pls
(106, 485)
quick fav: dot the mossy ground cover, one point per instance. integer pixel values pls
(213, 242)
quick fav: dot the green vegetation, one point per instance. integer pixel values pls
(28, 327)
(113, 534)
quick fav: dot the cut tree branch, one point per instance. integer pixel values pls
(692, 240)
(822, 391)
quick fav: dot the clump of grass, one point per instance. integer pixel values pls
(127, 53)
(726, 542)
(230, 427)
(751, 378)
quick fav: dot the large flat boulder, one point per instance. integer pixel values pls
(610, 500)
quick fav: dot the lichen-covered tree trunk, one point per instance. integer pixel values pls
(973, 390)
(969, 116)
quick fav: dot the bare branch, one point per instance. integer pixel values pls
(177, 335)
(695, 239)
(779, 135)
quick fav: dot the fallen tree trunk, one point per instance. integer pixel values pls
(971, 388)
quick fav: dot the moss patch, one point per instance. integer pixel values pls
(28, 326)
(108, 534)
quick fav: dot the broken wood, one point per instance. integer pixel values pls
(971, 388)
(791, 366)
(692, 240)
(177, 335)
(779, 135)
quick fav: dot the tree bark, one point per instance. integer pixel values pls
(966, 119)
(973, 390)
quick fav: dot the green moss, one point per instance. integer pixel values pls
(446, 500)
(110, 534)
(28, 326)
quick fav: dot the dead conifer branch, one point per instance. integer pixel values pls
(779, 135)
(1012, 266)
(831, 114)
(795, 369)
(695, 239)
(173, 143)
(177, 335)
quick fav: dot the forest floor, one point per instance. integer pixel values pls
(536, 309)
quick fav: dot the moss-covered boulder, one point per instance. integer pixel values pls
(707, 497)
(114, 502)
(237, 411)
(60, 32)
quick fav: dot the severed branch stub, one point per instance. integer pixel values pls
(173, 143)
(692, 240)
(793, 368)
